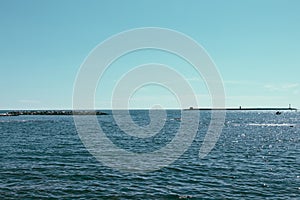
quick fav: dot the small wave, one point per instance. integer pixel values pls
(19, 121)
(266, 124)
(10, 121)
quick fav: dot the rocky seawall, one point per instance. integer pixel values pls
(52, 112)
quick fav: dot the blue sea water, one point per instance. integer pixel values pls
(256, 157)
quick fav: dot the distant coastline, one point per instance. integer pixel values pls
(52, 112)
(245, 109)
(97, 112)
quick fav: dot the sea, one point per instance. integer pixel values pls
(257, 156)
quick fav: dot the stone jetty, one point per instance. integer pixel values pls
(52, 112)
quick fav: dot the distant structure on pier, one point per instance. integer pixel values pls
(240, 108)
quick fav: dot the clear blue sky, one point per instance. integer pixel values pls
(255, 45)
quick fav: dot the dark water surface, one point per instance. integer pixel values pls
(256, 157)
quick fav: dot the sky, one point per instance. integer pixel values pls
(254, 44)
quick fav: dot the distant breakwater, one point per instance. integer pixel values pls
(52, 112)
(245, 109)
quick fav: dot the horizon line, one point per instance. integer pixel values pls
(190, 108)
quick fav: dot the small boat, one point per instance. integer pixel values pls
(278, 113)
